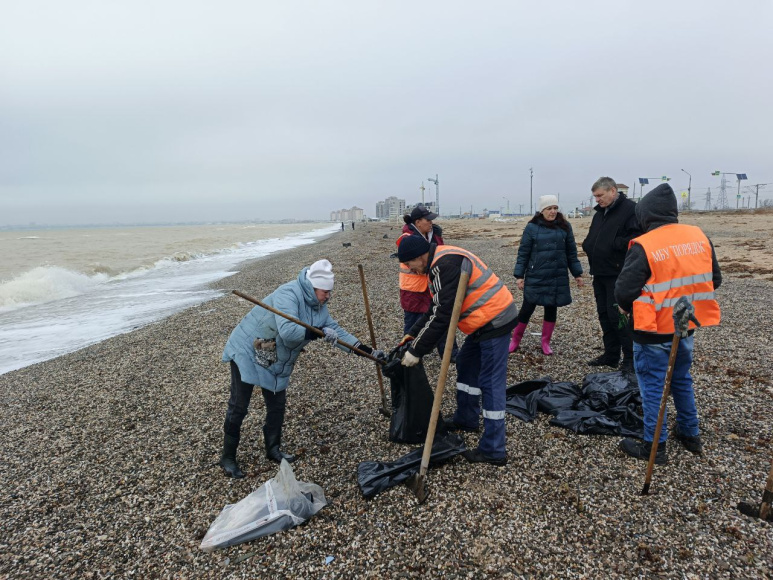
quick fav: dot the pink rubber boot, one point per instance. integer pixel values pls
(515, 342)
(547, 332)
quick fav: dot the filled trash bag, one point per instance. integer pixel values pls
(606, 404)
(279, 504)
(412, 399)
(374, 477)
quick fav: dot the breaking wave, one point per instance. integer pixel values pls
(45, 284)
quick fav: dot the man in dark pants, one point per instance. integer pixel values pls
(614, 225)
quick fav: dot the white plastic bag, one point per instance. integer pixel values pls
(279, 504)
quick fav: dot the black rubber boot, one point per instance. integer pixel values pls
(272, 429)
(228, 457)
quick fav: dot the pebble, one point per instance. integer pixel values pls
(109, 453)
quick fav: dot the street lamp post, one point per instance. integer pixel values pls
(508, 203)
(531, 190)
(436, 181)
(689, 187)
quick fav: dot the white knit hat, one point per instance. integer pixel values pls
(547, 201)
(320, 274)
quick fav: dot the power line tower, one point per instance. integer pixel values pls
(708, 200)
(722, 202)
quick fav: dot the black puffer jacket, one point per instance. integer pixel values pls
(607, 240)
(547, 249)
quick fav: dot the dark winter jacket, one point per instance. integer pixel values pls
(607, 240)
(657, 208)
(547, 249)
(444, 279)
(419, 301)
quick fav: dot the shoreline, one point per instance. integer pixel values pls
(110, 449)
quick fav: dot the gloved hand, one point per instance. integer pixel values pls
(379, 354)
(410, 360)
(311, 335)
(331, 335)
(406, 338)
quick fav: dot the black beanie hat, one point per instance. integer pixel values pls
(412, 247)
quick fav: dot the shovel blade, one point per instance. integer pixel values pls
(646, 489)
(385, 412)
(417, 483)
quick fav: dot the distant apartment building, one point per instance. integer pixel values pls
(430, 205)
(391, 208)
(354, 214)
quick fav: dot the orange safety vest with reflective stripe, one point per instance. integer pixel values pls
(679, 257)
(408, 280)
(486, 295)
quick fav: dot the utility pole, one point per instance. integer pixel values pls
(757, 194)
(689, 188)
(422, 192)
(436, 181)
(531, 190)
(520, 209)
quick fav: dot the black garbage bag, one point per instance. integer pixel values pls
(518, 402)
(607, 404)
(374, 477)
(412, 399)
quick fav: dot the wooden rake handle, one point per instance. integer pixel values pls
(304, 325)
(461, 290)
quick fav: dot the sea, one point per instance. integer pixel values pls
(62, 289)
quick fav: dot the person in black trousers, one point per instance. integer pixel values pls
(614, 225)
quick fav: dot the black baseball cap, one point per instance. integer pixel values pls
(422, 212)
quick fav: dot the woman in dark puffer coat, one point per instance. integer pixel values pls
(547, 250)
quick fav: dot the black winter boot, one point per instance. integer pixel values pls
(228, 457)
(605, 360)
(272, 429)
(642, 449)
(272, 439)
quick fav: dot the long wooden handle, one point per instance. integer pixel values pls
(461, 290)
(372, 332)
(661, 413)
(767, 495)
(304, 325)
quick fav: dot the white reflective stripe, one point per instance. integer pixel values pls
(495, 415)
(679, 282)
(467, 389)
(671, 302)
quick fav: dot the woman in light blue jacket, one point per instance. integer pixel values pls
(262, 351)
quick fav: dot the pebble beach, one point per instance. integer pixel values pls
(109, 453)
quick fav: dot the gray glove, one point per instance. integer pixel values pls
(331, 335)
(379, 354)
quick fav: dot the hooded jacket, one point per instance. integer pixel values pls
(547, 250)
(297, 299)
(657, 208)
(608, 236)
(418, 301)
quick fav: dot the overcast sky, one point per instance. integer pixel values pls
(126, 111)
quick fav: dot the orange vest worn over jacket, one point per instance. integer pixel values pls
(679, 257)
(408, 280)
(486, 295)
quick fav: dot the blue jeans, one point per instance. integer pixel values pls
(651, 364)
(481, 369)
(411, 318)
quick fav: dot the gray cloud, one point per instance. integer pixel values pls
(182, 111)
